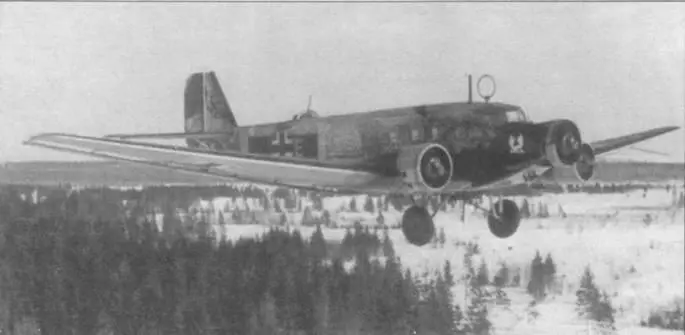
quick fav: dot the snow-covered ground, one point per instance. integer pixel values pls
(641, 267)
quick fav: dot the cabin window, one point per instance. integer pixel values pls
(393, 137)
(415, 135)
(405, 134)
(516, 115)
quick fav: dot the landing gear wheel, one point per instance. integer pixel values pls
(417, 225)
(504, 218)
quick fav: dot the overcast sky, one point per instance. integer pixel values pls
(94, 69)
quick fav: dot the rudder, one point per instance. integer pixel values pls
(206, 108)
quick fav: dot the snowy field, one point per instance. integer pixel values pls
(640, 266)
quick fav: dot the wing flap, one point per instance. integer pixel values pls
(286, 171)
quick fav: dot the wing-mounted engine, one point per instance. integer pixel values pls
(584, 167)
(425, 167)
(581, 171)
(562, 145)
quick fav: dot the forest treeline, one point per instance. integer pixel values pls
(91, 262)
(72, 265)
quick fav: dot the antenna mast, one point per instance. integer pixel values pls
(470, 89)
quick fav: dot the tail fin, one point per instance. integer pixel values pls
(206, 108)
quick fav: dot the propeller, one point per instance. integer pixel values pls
(435, 168)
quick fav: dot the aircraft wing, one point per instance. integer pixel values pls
(283, 171)
(611, 144)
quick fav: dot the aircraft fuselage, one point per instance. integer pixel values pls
(494, 135)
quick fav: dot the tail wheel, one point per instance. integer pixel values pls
(417, 225)
(504, 218)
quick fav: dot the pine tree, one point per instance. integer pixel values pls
(442, 239)
(380, 219)
(536, 285)
(676, 320)
(266, 204)
(525, 209)
(516, 280)
(353, 204)
(326, 218)
(561, 211)
(443, 310)
(483, 278)
(317, 202)
(549, 272)
(502, 276)
(220, 219)
(369, 205)
(604, 311)
(322, 311)
(263, 320)
(460, 322)
(477, 312)
(587, 296)
(388, 248)
(307, 217)
(318, 244)
(447, 273)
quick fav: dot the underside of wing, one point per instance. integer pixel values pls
(284, 171)
(610, 144)
(520, 176)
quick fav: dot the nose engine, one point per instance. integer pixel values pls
(562, 143)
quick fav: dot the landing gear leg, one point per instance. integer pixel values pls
(503, 217)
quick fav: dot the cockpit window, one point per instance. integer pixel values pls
(516, 115)
(305, 115)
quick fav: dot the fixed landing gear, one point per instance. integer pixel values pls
(418, 227)
(504, 218)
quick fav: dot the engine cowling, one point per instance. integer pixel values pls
(583, 170)
(425, 167)
(584, 167)
(562, 143)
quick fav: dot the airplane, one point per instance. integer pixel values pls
(456, 150)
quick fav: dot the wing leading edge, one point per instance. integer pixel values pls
(285, 171)
(614, 143)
